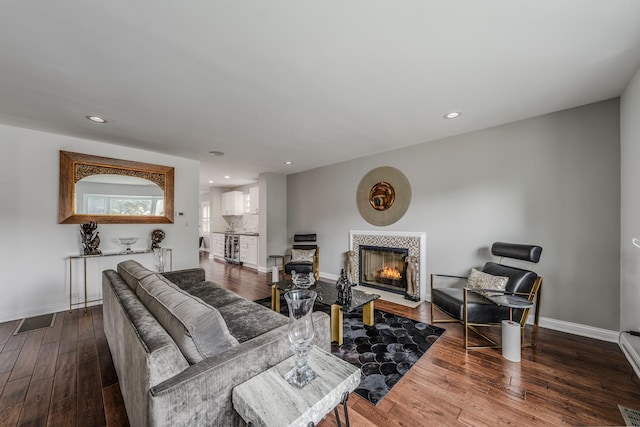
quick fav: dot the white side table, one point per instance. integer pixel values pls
(268, 400)
(511, 334)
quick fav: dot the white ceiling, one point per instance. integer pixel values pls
(311, 81)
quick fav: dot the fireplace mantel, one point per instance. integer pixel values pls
(415, 242)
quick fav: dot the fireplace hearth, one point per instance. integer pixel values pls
(383, 268)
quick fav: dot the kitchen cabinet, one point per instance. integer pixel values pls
(217, 245)
(249, 250)
(254, 200)
(232, 203)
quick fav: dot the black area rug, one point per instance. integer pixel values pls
(384, 352)
(38, 322)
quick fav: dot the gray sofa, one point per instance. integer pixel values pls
(181, 344)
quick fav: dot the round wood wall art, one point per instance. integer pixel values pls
(383, 196)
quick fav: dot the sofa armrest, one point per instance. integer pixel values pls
(202, 393)
(185, 278)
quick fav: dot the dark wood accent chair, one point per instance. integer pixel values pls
(474, 311)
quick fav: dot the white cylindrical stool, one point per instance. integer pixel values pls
(511, 347)
(275, 275)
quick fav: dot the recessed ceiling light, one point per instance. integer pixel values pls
(210, 182)
(96, 119)
(288, 162)
(227, 177)
(216, 153)
(452, 115)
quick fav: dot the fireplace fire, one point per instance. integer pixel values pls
(390, 273)
(383, 268)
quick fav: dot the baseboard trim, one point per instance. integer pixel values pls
(578, 329)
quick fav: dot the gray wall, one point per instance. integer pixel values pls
(630, 209)
(552, 180)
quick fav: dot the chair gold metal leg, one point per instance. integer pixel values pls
(464, 320)
(536, 318)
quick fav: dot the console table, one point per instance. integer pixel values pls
(268, 400)
(86, 257)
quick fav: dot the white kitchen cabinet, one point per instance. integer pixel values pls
(217, 245)
(249, 250)
(232, 203)
(254, 200)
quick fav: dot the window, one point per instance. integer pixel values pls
(205, 216)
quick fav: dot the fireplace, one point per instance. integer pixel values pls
(406, 248)
(383, 268)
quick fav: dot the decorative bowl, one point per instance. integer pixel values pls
(127, 242)
(302, 281)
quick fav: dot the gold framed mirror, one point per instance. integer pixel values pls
(114, 191)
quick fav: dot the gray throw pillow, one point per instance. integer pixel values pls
(197, 328)
(487, 282)
(132, 272)
(302, 255)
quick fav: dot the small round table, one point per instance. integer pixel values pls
(511, 334)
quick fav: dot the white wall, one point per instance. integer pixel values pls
(552, 180)
(630, 208)
(34, 247)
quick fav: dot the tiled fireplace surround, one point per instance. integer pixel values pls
(415, 242)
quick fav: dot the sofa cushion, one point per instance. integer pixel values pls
(245, 319)
(132, 272)
(197, 328)
(214, 294)
(248, 320)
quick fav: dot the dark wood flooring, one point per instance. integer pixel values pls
(64, 376)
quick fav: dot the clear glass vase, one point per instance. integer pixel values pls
(301, 332)
(158, 257)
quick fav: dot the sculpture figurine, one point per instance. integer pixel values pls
(344, 289)
(157, 236)
(351, 266)
(412, 278)
(90, 238)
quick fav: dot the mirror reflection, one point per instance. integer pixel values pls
(109, 194)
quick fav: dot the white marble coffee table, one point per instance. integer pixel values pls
(268, 400)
